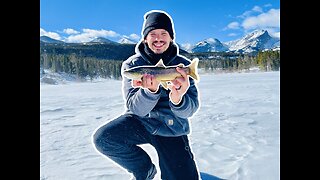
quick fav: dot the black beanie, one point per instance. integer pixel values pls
(157, 20)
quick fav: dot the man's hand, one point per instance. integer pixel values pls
(179, 87)
(148, 82)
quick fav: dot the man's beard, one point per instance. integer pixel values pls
(159, 49)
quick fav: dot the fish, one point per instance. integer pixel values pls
(163, 74)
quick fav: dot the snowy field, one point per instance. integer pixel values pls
(235, 135)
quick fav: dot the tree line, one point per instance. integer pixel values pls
(263, 60)
(81, 66)
(92, 67)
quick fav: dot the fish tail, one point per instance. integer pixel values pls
(194, 69)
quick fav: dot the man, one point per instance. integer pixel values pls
(153, 114)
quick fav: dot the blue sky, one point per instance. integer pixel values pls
(194, 20)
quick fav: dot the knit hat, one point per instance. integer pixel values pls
(157, 20)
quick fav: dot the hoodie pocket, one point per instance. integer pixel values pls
(152, 125)
(173, 126)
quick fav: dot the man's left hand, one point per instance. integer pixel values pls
(179, 87)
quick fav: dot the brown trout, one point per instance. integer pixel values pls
(162, 73)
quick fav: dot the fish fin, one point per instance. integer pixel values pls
(194, 69)
(180, 65)
(160, 64)
(164, 84)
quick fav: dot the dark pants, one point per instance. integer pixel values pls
(119, 138)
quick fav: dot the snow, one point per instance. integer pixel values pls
(234, 135)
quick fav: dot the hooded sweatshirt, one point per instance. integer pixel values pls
(155, 111)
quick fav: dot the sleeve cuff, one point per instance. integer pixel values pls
(179, 105)
(152, 95)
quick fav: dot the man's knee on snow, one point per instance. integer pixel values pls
(105, 141)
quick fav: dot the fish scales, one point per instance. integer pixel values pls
(162, 73)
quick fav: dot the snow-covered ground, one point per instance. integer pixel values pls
(235, 134)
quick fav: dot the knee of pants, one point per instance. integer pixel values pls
(103, 141)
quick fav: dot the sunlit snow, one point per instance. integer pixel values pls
(234, 135)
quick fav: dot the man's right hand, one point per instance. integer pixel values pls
(148, 82)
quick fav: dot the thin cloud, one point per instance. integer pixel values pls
(70, 31)
(245, 15)
(276, 34)
(271, 19)
(257, 19)
(52, 35)
(254, 10)
(233, 25)
(187, 46)
(134, 36)
(232, 34)
(268, 5)
(257, 9)
(90, 34)
(102, 32)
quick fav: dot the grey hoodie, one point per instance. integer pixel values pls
(156, 112)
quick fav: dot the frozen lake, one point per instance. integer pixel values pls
(234, 135)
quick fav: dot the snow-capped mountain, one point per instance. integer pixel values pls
(125, 40)
(254, 41)
(101, 40)
(209, 45)
(258, 40)
(47, 39)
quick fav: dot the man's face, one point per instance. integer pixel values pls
(158, 40)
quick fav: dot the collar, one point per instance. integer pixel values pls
(152, 58)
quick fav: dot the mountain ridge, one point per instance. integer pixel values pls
(257, 40)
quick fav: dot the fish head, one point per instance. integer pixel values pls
(134, 74)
